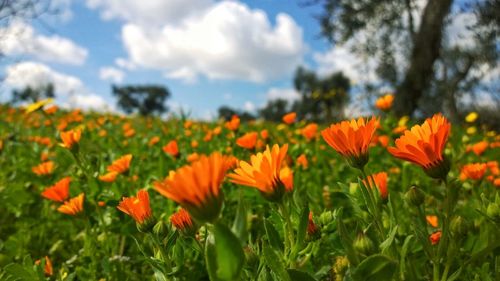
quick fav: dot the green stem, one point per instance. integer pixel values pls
(289, 239)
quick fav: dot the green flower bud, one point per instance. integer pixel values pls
(493, 211)
(160, 229)
(363, 244)
(458, 227)
(325, 218)
(415, 197)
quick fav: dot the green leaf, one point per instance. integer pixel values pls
(346, 239)
(374, 268)
(21, 273)
(240, 226)
(273, 260)
(296, 275)
(404, 251)
(272, 236)
(301, 231)
(384, 246)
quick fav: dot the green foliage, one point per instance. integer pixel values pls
(145, 100)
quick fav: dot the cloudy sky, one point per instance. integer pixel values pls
(208, 53)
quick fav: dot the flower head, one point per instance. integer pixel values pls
(265, 172)
(309, 131)
(171, 148)
(248, 140)
(351, 139)
(233, 124)
(384, 103)
(424, 144)
(121, 165)
(473, 171)
(108, 177)
(138, 208)
(37, 105)
(70, 138)
(432, 220)
(435, 237)
(182, 221)
(74, 206)
(59, 191)
(48, 270)
(45, 168)
(289, 118)
(378, 180)
(196, 187)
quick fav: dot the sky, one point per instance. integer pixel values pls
(207, 53)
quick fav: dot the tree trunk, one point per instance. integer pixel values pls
(424, 53)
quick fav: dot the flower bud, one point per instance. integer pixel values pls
(325, 218)
(415, 196)
(160, 229)
(363, 244)
(147, 225)
(458, 227)
(493, 211)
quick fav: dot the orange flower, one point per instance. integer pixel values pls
(264, 134)
(121, 165)
(154, 140)
(478, 148)
(302, 161)
(108, 177)
(473, 171)
(48, 270)
(248, 140)
(432, 220)
(493, 167)
(435, 237)
(309, 131)
(194, 143)
(424, 145)
(233, 124)
(51, 110)
(265, 172)
(59, 191)
(171, 148)
(192, 157)
(74, 206)
(182, 221)
(70, 138)
(196, 187)
(311, 226)
(351, 139)
(383, 140)
(137, 207)
(384, 103)
(380, 181)
(289, 118)
(46, 168)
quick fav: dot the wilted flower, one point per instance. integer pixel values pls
(59, 191)
(74, 206)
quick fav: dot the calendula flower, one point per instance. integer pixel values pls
(120, 165)
(233, 124)
(59, 192)
(424, 144)
(182, 221)
(70, 138)
(108, 177)
(312, 229)
(265, 172)
(478, 148)
(435, 237)
(139, 209)
(309, 131)
(351, 139)
(432, 220)
(171, 148)
(378, 180)
(72, 207)
(384, 103)
(45, 168)
(264, 134)
(289, 118)
(51, 110)
(154, 140)
(47, 269)
(473, 171)
(302, 161)
(196, 187)
(192, 157)
(471, 117)
(248, 140)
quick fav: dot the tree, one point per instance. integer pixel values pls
(143, 99)
(225, 112)
(32, 95)
(274, 110)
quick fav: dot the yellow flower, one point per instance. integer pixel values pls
(37, 105)
(471, 117)
(471, 130)
(402, 122)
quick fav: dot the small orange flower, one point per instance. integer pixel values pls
(121, 165)
(51, 110)
(248, 140)
(74, 206)
(59, 191)
(309, 131)
(70, 138)
(265, 172)
(192, 157)
(380, 181)
(289, 118)
(493, 167)
(311, 226)
(478, 148)
(432, 220)
(48, 270)
(435, 237)
(264, 134)
(154, 140)
(383, 140)
(137, 207)
(108, 177)
(473, 171)
(351, 139)
(196, 187)
(423, 145)
(171, 148)
(302, 161)
(233, 124)
(45, 168)
(194, 143)
(182, 221)
(384, 103)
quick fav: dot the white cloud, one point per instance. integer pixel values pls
(287, 94)
(21, 39)
(249, 106)
(111, 74)
(125, 64)
(227, 40)
(459, 32)
(70, 91)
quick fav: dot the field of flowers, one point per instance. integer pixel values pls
(107, 197)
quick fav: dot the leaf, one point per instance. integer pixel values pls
(272, 236)
(296, 275)
(345, 239)
(240, 226)
(20, 272)
(384, 246)
(374, 268)
(404, 251)
(274, 262)
(303, 223)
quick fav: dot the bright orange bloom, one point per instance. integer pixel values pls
(51, 110)
(383, 140)
(248, 140)
(311, 226)
(121, 165)
(182, 221)
(309, 131)
(192, 157)
(435, 237)
(302, 161)
(424, 144)
(171, 148)
(194, 144)
(265, 172)
(496, 182)
(493, 167)
(108, 177)
(74, 206)
(289, 118)
(478, 148)
(473, 171)
(154, 140)
(380, 181)
(196, 187)
(264, 134)
(432, 220)
(48, 270)
(233, 124)
(46, 168)
(137, 207)
(70, 138)
(384, 103)
(59, 191)
(351, 139)
(400, 129)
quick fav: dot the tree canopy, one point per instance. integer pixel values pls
(142, 99)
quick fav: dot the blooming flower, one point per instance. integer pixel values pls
(384, 103)
(265, 172)
(182, 221)
(424, 144)
(309, 131)
(233, 124)
(137, 207)
(478, 148)
(248, 140)
(37, 105)
(471, 117)
(70, 138)
(108, 177)
(196, 187)
(59, 191)
(378, 180)
(171, 148)
(289, 118)
(302, 161)
(74, 206)
(435, 237)
(45, 168)
(351, 139)
(432, 220)
(121, 165)
(154, 140)
(48, 270)
(473, 171)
